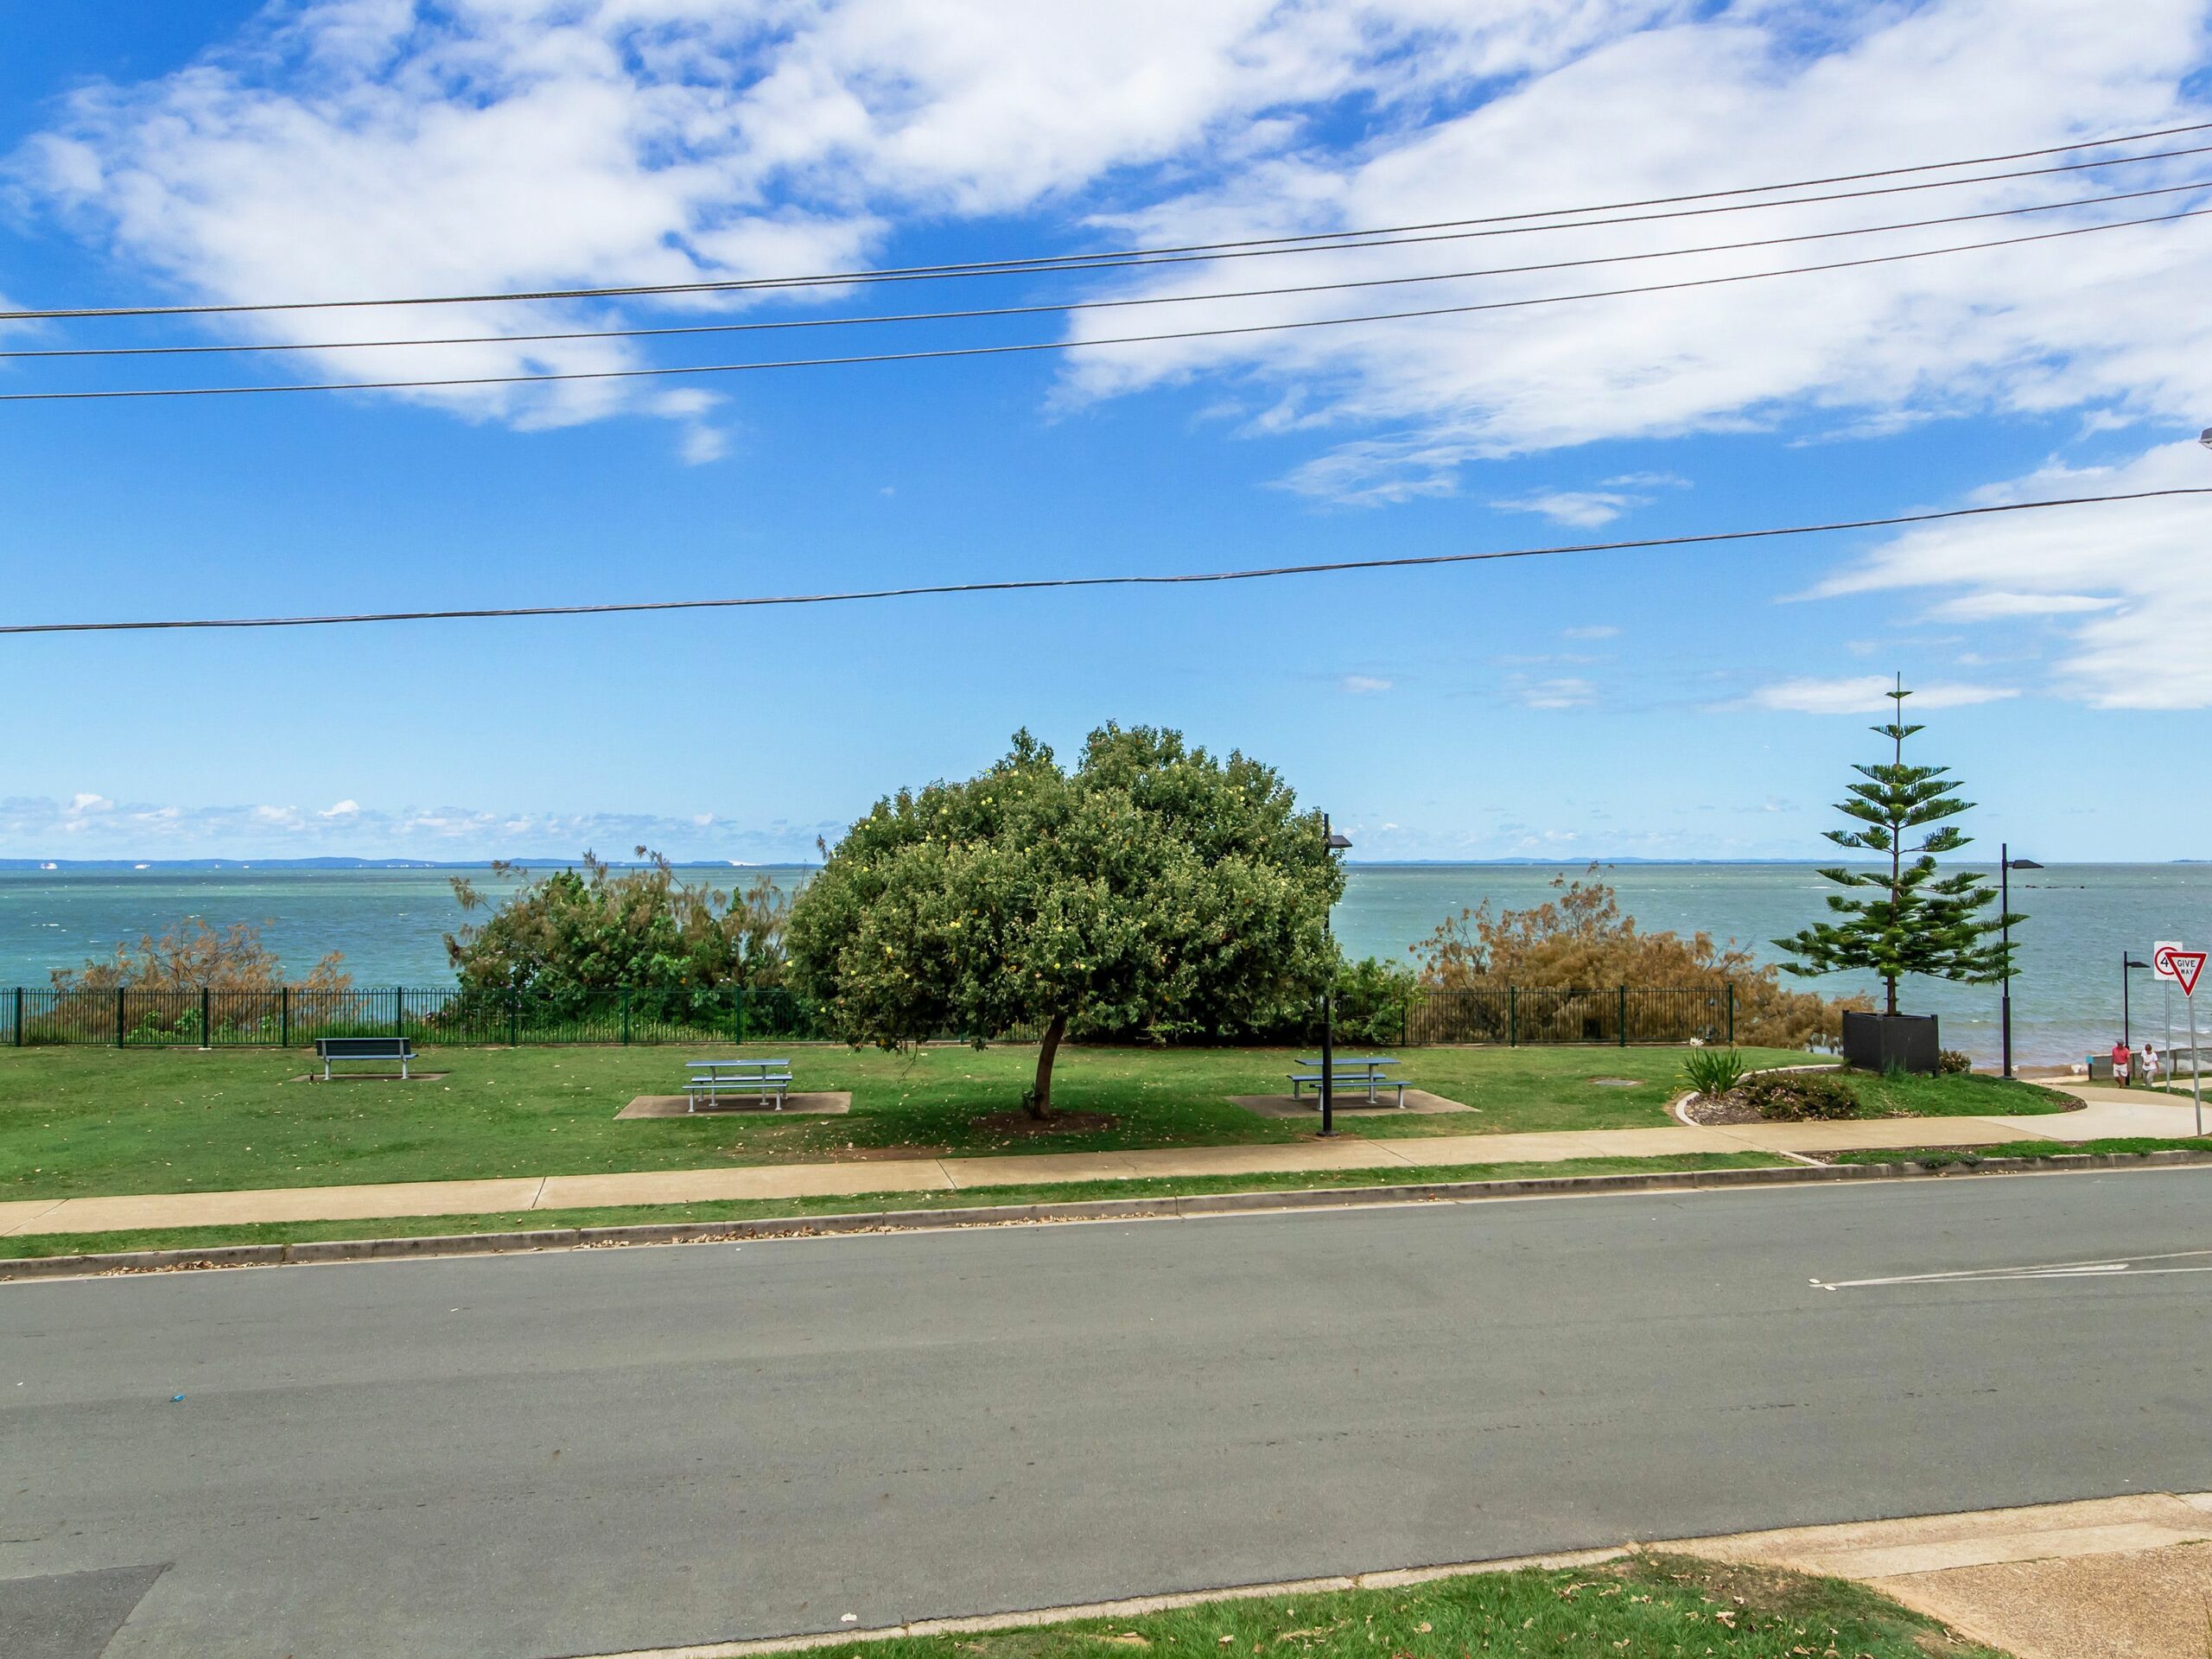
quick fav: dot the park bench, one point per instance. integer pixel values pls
(1362, 1073)
(328, 1049)
(711, 1079)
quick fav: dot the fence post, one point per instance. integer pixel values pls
(514, 1018)
(283, 1016)
(1512, 1019)
(119, 1016)
(624, 994)
(398, 1011)
(19, 1016)
(206, 1019)
(1624, 1021)
(737, 1003)
(1732, 1014)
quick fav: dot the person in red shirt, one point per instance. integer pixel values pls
(2119, 1058)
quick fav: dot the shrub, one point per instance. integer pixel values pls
(1581, 940)
(566, 941)
(1952, 1063)
(1799, 1096)
(1713, 1072)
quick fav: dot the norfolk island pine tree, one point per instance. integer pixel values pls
(1923, 923)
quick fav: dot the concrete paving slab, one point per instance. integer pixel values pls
(2056, 1522)
(20, 1213)
(821, 1104)
(1865, 1134)
(2112, 1118)
(771, 1181)
(284, 1204)
(2148, 1605)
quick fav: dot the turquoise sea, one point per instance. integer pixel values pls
(390, 924)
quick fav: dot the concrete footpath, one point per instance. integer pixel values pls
(2109, 1113)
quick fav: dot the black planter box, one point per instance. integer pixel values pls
(1875, 1042)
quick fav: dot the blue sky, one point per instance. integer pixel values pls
(1701, 704)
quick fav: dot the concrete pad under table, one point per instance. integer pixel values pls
(1349, 1101)
(827, 1104)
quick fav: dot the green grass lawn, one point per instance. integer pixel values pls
(2123, 1144)
(291, 1232)
(77, 1121)
(1964, 1094)
(1645, 1606)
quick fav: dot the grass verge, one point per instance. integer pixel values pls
(77, 1122)
(289, 1232)
(1645, 1606)
(1942, 1156)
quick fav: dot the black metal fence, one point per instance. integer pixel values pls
(294, 1017)
(1618, 1014)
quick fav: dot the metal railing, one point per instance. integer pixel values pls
(294, 1017)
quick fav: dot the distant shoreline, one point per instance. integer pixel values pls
(79, 866)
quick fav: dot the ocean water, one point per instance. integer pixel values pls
(390, 926)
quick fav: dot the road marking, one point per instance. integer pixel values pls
(2104, 1269)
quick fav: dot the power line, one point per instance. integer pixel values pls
(1056, 306)
(664, 372)
(1032, 584)
(1309, 242)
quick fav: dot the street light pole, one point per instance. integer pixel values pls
(1332, 843)
(2005, 914)
(2126, 1029)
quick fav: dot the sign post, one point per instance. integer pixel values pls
(2164, 970)
(2186, 965)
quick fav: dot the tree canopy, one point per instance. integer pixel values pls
(1922, 923)
(568, 939)
(1151, 889)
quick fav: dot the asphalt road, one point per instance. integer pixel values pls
(600, 1450)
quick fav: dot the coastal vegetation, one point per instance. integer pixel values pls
(564, 942)
(188, 956)
(1581, 939)
(1153, 891)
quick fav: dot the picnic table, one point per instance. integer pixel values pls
(712, 1079)
(1351, 1072)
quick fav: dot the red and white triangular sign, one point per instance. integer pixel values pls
(2187, 964)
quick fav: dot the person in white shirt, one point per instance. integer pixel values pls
(2149, 1067)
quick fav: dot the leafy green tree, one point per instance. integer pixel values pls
(568, 939)
(1922, 922)
(1152, 888)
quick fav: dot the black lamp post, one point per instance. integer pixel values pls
(2127, 1026)
(2005, 910)
(1335, 844)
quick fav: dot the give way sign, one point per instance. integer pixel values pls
(2181, 966)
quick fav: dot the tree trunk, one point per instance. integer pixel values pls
(1891, 981)
(1039, 1101)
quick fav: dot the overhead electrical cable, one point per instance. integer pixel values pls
(1308, 242)
(669, 371)
(761, 325)
(1034, 584)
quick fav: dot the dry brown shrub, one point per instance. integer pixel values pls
(189, 954)
(1581, 940)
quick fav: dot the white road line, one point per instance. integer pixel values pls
(2036, 1270)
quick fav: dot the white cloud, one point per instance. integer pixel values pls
(346, 808)
(1586, 509)
(1364, 684)
(1865, 694)
(1595, 631)
(1564, 692)
(86, 801)
(2135, 574)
